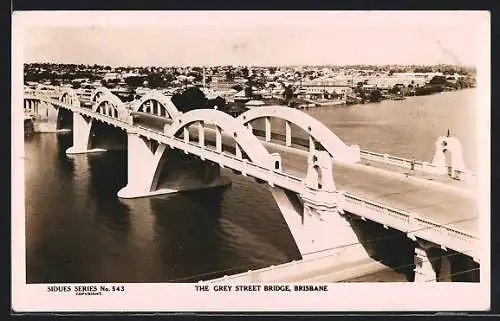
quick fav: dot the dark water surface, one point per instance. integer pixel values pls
(77, 230)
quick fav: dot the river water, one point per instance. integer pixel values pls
(77, 230)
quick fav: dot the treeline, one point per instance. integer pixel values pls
(193, 98)
(60, 74)
(71, 67)
(56, 78)
(441, 83)
(445, 69)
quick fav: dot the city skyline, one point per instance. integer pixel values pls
(395, 38)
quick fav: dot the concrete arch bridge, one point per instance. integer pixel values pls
(319, 189)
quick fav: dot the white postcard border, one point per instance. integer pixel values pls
(184, 297)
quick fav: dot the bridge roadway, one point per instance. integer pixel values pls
(442, 203)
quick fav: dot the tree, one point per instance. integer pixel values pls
(375, 95)
(219, 102)
(229, 75)
(360, 92)
(155, 81)
(237, 87)
(197, 76)
(245, 72)
(271, 88)
(134, 81)
(288, 93)
(169, 77)
(395, 89)
(438, 80)
(248, 91)
(111, 83)
(191, 98)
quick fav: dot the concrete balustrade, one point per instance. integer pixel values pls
(437, 166)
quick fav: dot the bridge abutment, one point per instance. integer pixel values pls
(153, 170)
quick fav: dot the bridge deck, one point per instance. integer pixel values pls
(437, 202)
(446, 203)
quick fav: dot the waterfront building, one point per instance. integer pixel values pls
(324, 89)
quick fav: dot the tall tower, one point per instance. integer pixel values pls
(204, 78)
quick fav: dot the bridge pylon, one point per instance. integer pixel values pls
(455, 166)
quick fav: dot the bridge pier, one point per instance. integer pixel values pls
(318, 227)
(46, 117)
(432, 264)
(424, 271)
(315, 218)
(146, 159)
(82, 126)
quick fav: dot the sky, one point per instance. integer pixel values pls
(254, 38)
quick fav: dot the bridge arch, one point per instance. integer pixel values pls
(317, 131)
(69, 96)
(163, 104)
(46, 110)
(245, 141)
(98, 93)
(110, 105)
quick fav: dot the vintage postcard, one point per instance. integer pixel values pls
(250, 161)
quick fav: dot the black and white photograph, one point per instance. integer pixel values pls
(236, 161)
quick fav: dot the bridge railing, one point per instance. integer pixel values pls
(394, 160)
(286, 272)
(385, 215)
(410, 164)
(442, 234)
(447, 236)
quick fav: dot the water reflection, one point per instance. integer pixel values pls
(107, 176)
(63, 142)
(185, 232)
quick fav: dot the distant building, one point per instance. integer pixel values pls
(325, 89)
(111, 75)
(222, 85)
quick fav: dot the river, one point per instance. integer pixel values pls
(77, 230)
